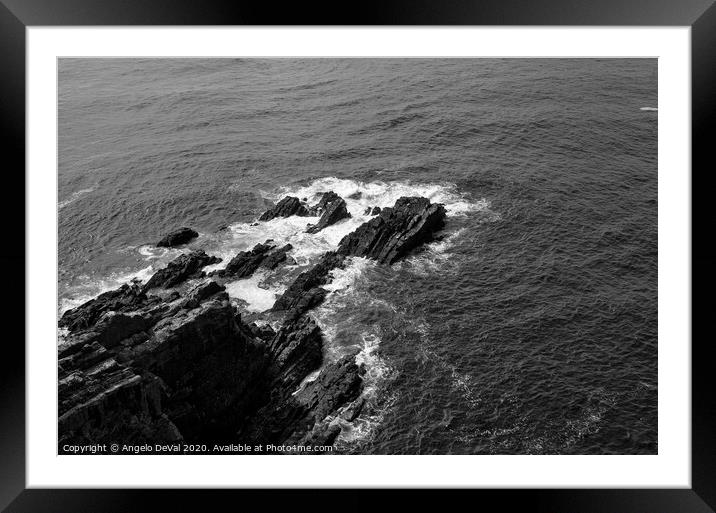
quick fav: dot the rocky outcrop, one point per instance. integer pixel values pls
(397, 230)
(293, 417)
(125, 298)
(371, 211)
(177, 237)
(326, 199)
(246, 263)
(306, 291)
(332, 212)
(178, 270)
(288, 206)
(182, 365)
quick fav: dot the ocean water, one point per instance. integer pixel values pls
(529, 328)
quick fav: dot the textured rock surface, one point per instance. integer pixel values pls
(177, 237)
(245, 263)
(182, 267)
(306, 292)
(288, 206)
(333, 212)
(125, 298)
(395, 231)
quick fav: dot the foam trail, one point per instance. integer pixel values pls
(649, 108)
(74, 197)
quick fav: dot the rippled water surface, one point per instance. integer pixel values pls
(530, 327)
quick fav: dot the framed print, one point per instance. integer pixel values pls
(439, 248)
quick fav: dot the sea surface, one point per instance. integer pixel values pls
(529, 328)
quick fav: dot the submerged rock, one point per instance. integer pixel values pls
(184, 266)
(177, 237)
(288, 206)
(395, 231)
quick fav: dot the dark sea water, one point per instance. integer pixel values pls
(531, 328)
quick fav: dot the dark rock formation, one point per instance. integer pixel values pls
(332, 213)
(288, 206)
(326, 199)
(193, 374)
(201, 292)
(245, 263)
(125, 298)
(186, 368)
(395, 231)
(177, 237)
(183, 267)
(306, 292)
(294, 416)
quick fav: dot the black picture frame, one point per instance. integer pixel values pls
(17, 15)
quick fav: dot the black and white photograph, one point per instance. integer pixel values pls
(357, 256)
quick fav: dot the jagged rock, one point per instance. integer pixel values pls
(201, 292)
(338, 384)
(296, 351)
(294, 415)
(334, 211)
(395, 231)
(371, 211)
(351, 413)
(213, 370)
(277, 257)
(288, 206)
(177, 237)
(184, 266)
(125, 298)
(306, 291)
(245, 263)
(326, 199)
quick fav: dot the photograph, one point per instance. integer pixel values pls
(357, 256)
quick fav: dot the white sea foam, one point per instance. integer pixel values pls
(90, 288)
(435, 256)
(258, 295)
(74, 197)
(650, 108)
(361, 195)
